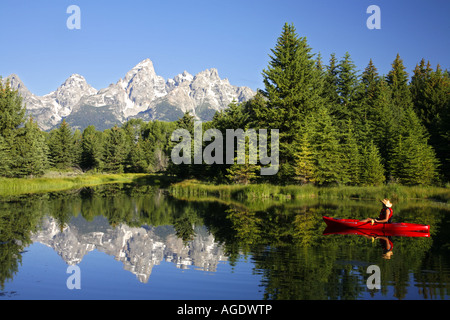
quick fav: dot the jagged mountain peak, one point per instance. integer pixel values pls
(144, 68)
(185, 73)
(211, 73)
(146, 63)
(71, 91)
(186, 76)
(141, 93)
(76, 81)
(16, 83)
(142, 84)
(75, 78)
(12, 77)
(179, 79)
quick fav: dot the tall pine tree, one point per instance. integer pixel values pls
(136, 160)
(293, 89)
(413, 163)
(5, 158)
(372, 172)
(347, 81)
(350, 156)
(305, 168)
(330, 87)
(30, 151)
(91, 149)
(397, 79)
(12, 110)
(367, 110)
(430, 90)
(326, 150)
(412, 160)
(61, 144)
(115, 150)
(184, 170)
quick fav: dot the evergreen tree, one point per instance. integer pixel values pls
(412, 160)
(418, 158)
(186, 122)
(383, 128)
(243, 173)
(233, 117)
(369, 80)
(30, 151)
(256, 110)
(346, 116)
(413, 163)
(77, 148)
(12, 115)
(350, 156)
(293, 89)
(397, 79)
(184, 170)
(430, 92)
(115, 150)
(443, 143)
(91, 149)
(61, 144)
(291, 81)
(421, 91)
(347, 82)
(325, 142)
(367, 110)
(372, 172)
(5, 157)
(236, 116)
(136, 161)
(305, 169)
(156, 144)
(12, 111)
(319, 64)
(330, 88)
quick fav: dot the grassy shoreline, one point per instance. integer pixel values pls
(192, 188)
(196, 189)
(17, 186)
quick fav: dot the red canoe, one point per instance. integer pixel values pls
(375, 233)
(387, 227)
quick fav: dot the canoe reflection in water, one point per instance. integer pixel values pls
(384, 236)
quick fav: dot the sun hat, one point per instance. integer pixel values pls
(386, 202)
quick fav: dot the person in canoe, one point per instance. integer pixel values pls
(385, 214)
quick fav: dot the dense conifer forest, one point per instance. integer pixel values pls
(338, 126)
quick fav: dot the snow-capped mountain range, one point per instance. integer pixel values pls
(140, 94)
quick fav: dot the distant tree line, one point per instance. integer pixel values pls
(337, 127)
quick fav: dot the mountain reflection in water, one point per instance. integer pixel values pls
(262, 249)
(138, 248)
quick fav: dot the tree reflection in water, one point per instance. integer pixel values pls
(285, 241)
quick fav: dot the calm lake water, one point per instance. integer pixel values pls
(136, 242)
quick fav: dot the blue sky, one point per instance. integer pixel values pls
(233, 36)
